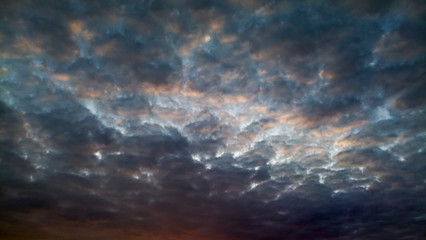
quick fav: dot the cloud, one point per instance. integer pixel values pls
(212, 120)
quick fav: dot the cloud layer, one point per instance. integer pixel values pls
(212, 120)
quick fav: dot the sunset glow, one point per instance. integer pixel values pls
(236, 119)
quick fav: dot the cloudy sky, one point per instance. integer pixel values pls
(236, 119)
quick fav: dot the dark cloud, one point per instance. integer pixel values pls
(412, 98)
(318, 111)
(212, 120)
(369, 157)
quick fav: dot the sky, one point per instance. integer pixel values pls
(235, 119)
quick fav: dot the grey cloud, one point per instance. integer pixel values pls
(412, 98)
(131, 161)
(329, 108)
(155, 145)
(410, 146)
(362, 8)
(369, 157)
(206, 119)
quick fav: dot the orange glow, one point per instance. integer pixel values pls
(104, 49)
(76, 26)
(26, 45)
(62, 76)
(228, 38)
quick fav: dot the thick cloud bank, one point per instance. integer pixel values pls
(236, 119)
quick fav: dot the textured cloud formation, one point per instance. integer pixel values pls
(212, 119)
